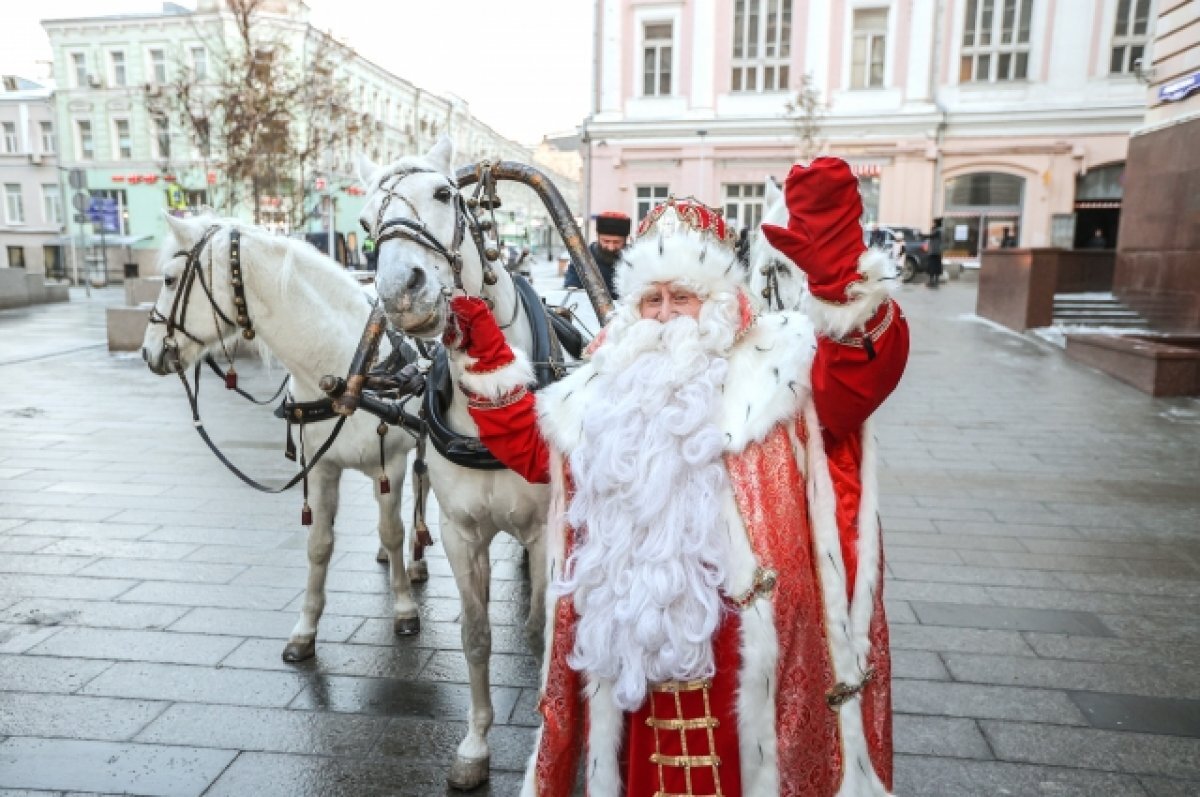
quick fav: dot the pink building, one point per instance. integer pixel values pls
(992, 113)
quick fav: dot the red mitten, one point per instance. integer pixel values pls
(473, 330)
(824, 236)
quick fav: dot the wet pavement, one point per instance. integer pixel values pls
(1042, 530)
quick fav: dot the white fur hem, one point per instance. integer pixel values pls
(494, 384)
(839, 320)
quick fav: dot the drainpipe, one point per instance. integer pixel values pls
(934, 70)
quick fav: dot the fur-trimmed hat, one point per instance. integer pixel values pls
(610, 222)
(680, 241)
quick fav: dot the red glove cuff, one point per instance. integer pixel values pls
(474, 331)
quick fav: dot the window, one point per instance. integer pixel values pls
(14, 204)
(162, 137)
(648, 196)
(199, 62)
(762, 44)
(10, 137)
(744, 205)
(51, 204)
(117, 58)
(85, 145)
(1129, 35)
(995, 43)
(16, 257)
(868, 48)
(656, 59)
(53, 258)
(122, 142)
(48, 147)
(158, 66)
(79, 70)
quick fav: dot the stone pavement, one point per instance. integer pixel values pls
(1042, 530)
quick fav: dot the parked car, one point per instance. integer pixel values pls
(912, 252)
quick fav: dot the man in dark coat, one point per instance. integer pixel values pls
(612, 233)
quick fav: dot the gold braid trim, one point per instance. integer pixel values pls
(857, 340)
(477, 402)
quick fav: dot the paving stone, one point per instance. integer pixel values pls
(150, 646)
(74, 716)
(1168, 787)
(80, 529)
(125, 549)
(274, 775)
(219, 595)
(960, 640)
(393, 697)
(917, 593)
(422, 741)
(30, 674)
(177, 682)
(238, 537)
(44, 564)
(1115, 550)
(928, 776)
(39, 586)
(939, 736)
(1147, 680)
(398, 660)
(941, 540)
(92, 614)
(1091, 602)
(1130, 585)
(506, 669)
(918, 664)
(1010, 619)
(1170, 716)
(24, 544)
(64, 764)
(996, 529)
(443, 636)
(1095, 749)
(272, 625)
(1031, 561)
(904, 553)
(264, 729)
(186, 572)
(1156, 628)
(1057, 646)
(984, 702)
(898, 611)
(18, 638)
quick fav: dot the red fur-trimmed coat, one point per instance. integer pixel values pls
(803, 504)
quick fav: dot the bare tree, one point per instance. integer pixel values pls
(805, 111)
(263, 116)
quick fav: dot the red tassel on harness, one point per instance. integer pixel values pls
(385, 486)
(231, 379)
(306, 515)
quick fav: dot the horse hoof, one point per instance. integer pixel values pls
(299, 651)
(406, 626)
(467, 773)
(381, 555)
(418, 572)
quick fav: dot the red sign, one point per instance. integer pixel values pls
(150, 178)
(319, 183)
(134, 179)
(170, 178)
(212, 178)
(118, 178)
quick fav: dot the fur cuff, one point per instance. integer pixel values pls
(839, 320)
(494, 384)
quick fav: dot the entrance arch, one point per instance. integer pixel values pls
(979, 207)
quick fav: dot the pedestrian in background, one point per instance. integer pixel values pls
(612, 233)
(935, 254)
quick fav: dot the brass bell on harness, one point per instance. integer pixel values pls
(248, 334)
(491, 253)
(766, 293)
(489, 276)
(486, 225)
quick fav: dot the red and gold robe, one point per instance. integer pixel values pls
(801, 701)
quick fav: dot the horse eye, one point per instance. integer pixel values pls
(169, 282)
(443, 194)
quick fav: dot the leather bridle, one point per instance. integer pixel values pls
(413, 228)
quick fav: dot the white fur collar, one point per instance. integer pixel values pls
(768, 382)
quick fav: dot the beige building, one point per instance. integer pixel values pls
(33, 187)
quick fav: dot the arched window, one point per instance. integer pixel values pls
(982, 211)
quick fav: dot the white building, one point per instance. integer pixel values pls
(32, 217)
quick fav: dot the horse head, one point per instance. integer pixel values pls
(196, 308)
(774, 280)
(418, 220)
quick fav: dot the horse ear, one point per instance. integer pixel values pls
(365, 167)
(442, 154)
(181, 229)
(772, 192)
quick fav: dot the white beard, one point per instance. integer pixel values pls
(646, 576)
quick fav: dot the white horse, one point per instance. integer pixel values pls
(417, 197)
(775, 281)
(307, 311)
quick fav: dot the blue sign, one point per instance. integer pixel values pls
(103, 211)
(1178, 89)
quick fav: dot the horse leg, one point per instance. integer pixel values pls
(472, 573)
(323, 499)
(418, 569)
(534, 543)
(405, 618)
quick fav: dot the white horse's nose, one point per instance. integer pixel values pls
(416, 280)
